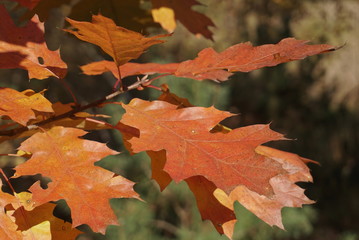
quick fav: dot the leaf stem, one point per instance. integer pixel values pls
(119, 80)
(7, 180)
(70, 91)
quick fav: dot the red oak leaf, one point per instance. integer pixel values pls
(286, 192)
(209, 64)
(244, 57)
(120, 43)
(228, 160)
(69, 161)
(25, 47)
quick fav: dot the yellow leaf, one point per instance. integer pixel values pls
(166, 17)
(39, 232)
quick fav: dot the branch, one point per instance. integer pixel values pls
(140, 83)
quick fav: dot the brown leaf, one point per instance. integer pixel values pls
(25, 47)
(158, 161)
(61, 155)
(209, 207)
(58, 227)
(166, 12)
(120, 43)
(20, 106)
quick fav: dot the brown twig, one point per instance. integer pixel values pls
(71, 113)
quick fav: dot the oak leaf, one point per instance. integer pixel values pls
(25, 47)
(166, 12)
(286, 192)
(20, 106)
(120, 43)
(68, 161)
(191, 149)
(277, 191)
(244, 57)
(216, 66)
(211, 200)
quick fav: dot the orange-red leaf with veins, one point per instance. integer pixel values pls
(195, 22)
(20, 106)
(61, 155)
(244, 57)
(120, 43)
(228, 160)
(209, 64)
(25, 47)
(286, 192)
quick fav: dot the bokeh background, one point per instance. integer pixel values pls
(314, 101)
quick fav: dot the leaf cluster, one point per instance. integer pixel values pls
(185, 142)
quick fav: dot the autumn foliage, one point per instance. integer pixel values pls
(185, 142)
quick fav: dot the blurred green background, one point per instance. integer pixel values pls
(314, 101)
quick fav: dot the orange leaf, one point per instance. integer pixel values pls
(228, 160)
(25, 47)
(8, 228)
(286, 192)
(209, 64)
(120, 43)
(20, 106)
(69, 161)
(244, 57)
(215, 205)
(166, 12)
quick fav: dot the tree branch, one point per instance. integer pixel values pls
(79, 108)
